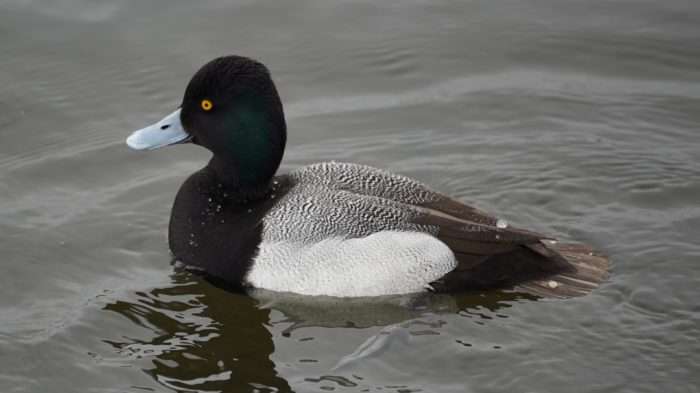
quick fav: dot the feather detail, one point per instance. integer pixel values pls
(347, 201)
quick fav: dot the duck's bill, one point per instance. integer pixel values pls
(166, 132)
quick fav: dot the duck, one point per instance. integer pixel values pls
(334, 229)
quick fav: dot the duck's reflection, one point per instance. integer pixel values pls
(207, 339)
(210, 339)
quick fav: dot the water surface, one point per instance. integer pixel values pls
(579, 119)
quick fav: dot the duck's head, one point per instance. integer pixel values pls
(232, 108)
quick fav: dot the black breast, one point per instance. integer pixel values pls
(218, 229)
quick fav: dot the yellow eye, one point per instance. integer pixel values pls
(206, 105)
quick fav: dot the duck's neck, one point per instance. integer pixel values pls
(248, 158)
(238, 183)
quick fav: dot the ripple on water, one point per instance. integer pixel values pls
(575, 120)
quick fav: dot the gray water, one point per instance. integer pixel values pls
(575, 118)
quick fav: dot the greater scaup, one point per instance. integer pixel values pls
(333, 228)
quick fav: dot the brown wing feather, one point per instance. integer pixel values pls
(590, 271)
(493, 257)
(473, 235)
(457, 209)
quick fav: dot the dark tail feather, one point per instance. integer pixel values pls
(590, 271)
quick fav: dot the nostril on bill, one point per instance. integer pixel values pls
(165, 127)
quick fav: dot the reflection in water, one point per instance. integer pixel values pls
(205, 339)
(326, 311)
(374, 347)
(210, 339)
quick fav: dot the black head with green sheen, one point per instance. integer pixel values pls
(231, 107)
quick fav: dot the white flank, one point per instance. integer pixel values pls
(384, 263)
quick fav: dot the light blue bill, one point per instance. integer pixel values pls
(168, 131)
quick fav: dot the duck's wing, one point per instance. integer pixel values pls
(375, 182)
(453, 219)
(368, 181)
(473, 236)
(490, 252)
(498, 256)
